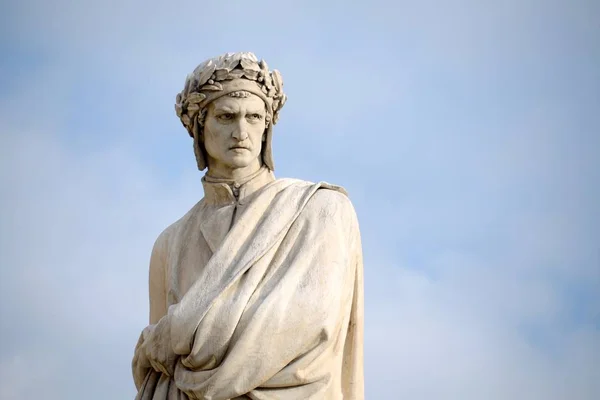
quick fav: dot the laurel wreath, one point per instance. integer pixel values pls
(207, 77)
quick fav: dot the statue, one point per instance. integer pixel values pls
(256, 292)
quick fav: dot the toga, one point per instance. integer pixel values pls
(261, 285)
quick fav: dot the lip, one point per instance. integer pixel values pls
(239, 148)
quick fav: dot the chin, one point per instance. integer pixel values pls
(240, 161)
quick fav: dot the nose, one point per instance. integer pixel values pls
(239, 132)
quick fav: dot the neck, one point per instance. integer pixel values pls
(233, 174)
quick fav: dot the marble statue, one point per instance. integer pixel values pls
(257, 291)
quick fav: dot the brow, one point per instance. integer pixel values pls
(256, 111)
(224, 109)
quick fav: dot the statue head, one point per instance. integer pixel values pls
(229, 105)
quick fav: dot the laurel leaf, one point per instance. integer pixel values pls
(205, 74)
(249, 65)
(250, 74)
(235, 74)
(215, 87)
(193, 108)
(195, 98)
(277, 80)
(221, 74)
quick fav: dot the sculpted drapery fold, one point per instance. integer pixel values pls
(263, 295)
(257, 292)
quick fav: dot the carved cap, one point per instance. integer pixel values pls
(225, 74)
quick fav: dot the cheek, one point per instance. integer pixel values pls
(256, 133)
(213, 137)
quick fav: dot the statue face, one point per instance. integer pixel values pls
(233, 132)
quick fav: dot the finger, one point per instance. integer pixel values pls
(160, 367)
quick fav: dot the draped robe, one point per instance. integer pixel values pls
(262, 286)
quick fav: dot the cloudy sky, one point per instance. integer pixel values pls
(467, 133)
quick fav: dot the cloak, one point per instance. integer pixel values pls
(262, 293)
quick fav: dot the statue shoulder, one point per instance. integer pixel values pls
(332, 202)
(168, 234)
(304, 183)
(330, 210)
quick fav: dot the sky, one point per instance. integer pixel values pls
(467, 134)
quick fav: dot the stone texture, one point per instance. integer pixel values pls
(257, 291)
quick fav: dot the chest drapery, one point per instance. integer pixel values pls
(273, 310)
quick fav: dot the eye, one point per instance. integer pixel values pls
(225, 116)
(255, 117)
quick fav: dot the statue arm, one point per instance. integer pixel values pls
(157, 280)
(141, 364)
(353, 369)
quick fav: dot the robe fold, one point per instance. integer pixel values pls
(263, 295)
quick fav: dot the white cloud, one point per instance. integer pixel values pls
(455, 338)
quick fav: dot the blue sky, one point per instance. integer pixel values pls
(466, 132)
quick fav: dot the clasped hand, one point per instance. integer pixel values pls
(154, 351)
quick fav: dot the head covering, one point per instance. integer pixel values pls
(220, 76)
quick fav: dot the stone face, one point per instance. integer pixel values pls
(257, 291)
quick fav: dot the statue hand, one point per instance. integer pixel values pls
(158, 349)
(140, 364)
